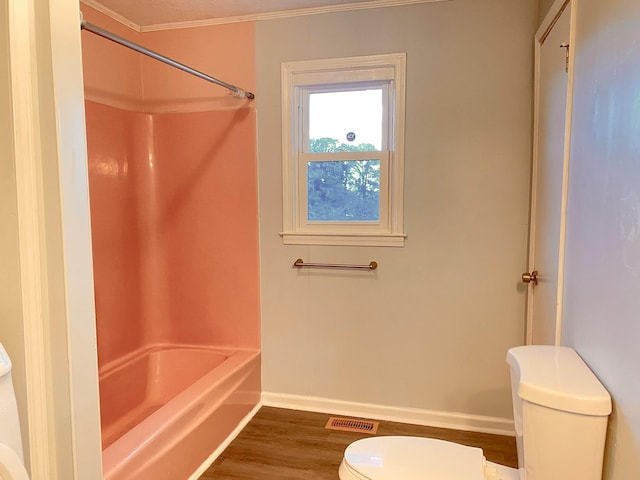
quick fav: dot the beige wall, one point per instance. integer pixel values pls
(430, 328)
(11, 331)
(602, 291)
(543, 8)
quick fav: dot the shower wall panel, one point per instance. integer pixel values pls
(175, 228)
(116, 145)
(173, 195)
(207, 227)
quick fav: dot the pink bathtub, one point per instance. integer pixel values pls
(166, 409)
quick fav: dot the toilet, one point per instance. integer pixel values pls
(560, 414)
(11, 459)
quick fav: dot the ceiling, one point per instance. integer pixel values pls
(144, 15)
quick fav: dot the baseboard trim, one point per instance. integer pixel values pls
(416, 416)
(216, 453)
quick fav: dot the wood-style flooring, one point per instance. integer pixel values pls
(280, 444)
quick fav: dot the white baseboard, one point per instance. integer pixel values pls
(216, 453)
(416, 416)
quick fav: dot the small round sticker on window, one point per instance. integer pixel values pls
(351, 136)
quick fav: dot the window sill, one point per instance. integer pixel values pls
(362, 240)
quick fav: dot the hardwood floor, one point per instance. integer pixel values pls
(281, 444)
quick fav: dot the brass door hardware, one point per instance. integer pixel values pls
(530, 277)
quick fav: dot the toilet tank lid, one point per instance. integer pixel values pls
(5, 362)
(556, 377)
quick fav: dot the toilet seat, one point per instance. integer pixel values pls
(411, 458)
(11, 467)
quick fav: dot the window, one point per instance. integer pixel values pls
(343, 145)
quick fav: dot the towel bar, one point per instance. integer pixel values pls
(299, 263)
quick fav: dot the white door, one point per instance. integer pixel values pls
(549, 182)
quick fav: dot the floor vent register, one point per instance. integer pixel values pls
(352, 425)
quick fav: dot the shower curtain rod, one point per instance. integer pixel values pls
(235, 91)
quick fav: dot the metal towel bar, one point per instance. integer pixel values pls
(299, 263)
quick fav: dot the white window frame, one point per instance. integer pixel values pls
(298, 80)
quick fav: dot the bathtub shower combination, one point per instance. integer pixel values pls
(173, 212)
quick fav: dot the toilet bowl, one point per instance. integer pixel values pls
(11, 460)
(559, 406)
(11, 466)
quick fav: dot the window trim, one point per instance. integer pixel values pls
(389, 231)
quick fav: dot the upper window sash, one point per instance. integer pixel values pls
(303, 121)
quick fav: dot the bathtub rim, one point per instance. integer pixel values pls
(120, 362)
(146, 358)
(115, 456)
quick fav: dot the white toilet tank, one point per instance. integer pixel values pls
(560, 411)
(9, 422)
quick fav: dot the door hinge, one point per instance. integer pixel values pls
(565, 45)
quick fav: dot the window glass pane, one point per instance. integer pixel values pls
(343, 191)
(348, 121)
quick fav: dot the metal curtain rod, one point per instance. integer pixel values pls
(236, 91)
(299, 263)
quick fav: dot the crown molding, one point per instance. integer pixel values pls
(253, 17)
